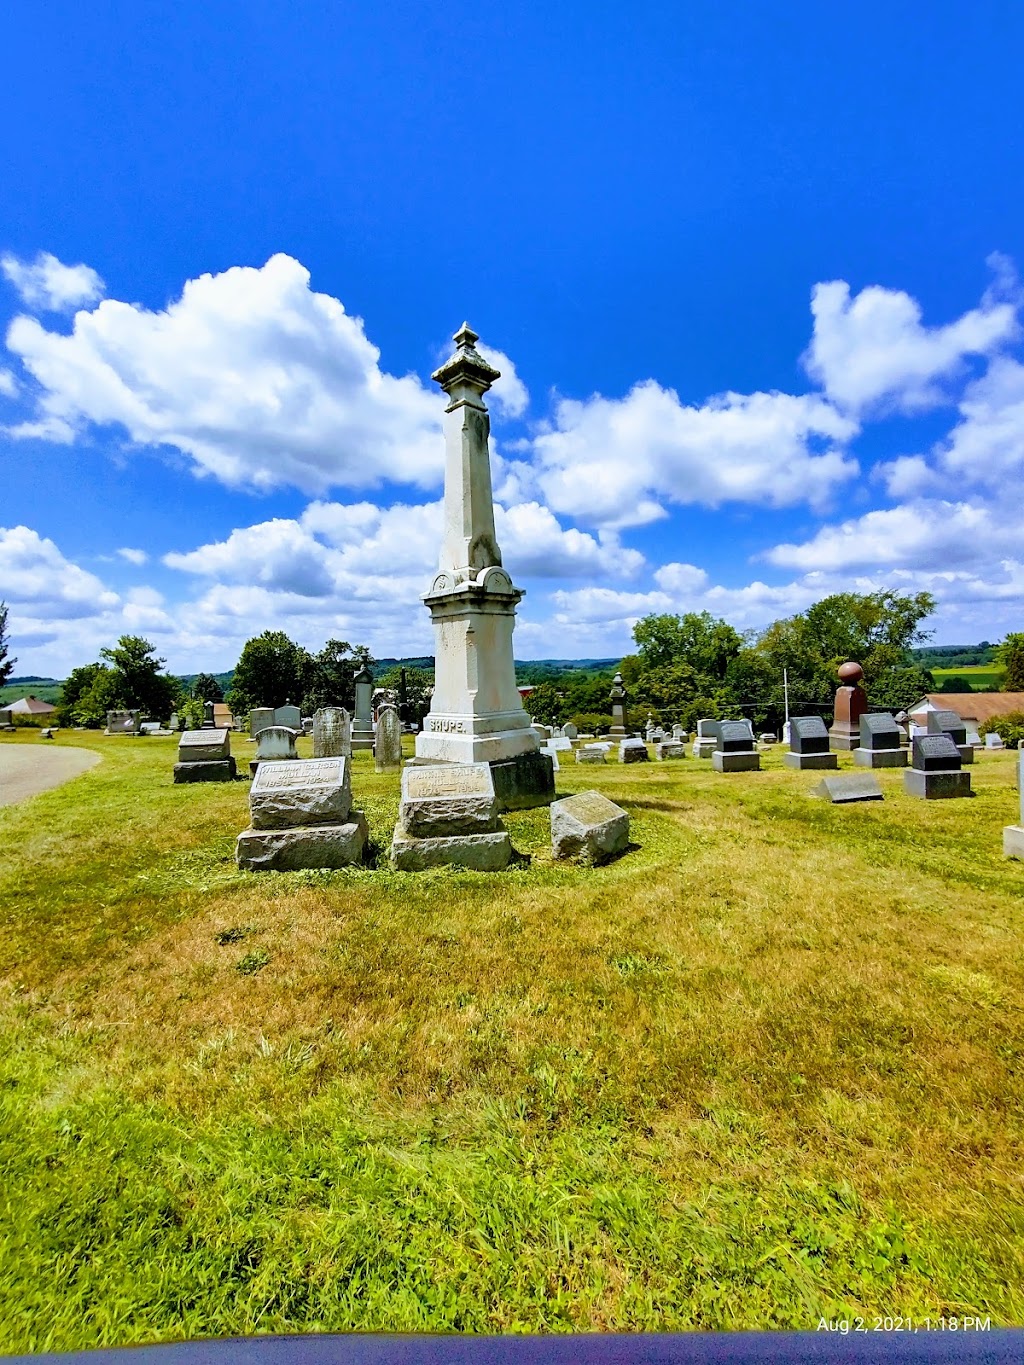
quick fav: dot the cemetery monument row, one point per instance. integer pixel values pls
(301, 817)
(476, 713)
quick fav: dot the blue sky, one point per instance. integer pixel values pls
(750, 273)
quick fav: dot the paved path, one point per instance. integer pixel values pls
(26, 769)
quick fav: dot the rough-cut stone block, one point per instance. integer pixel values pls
(1013, 840)
(633, 751)
(849, 787)
(490, 852)
(669, 749)
(288, 850)
(936, 785)
(880, 758)
(587, 755)
(588, 827)
(210, 770)
(704, 747)
(799, 760)
(203, 746)
(743, 762)
(312, 791)
(524, 781)
(441, 799)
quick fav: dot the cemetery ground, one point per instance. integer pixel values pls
(765, 1068)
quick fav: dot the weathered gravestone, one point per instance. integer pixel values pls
(387, 744)
(734, 751)
(302, 817)
(289, 715)
(849, 787)
(543, 732)
(678, 733)
(808, 744)
(208, 722)
(880, 742)
(589, 828)
(633, 751)
(994, 741)
(706, 740)
(124, 722)
(559, 744)
(204, 756)
(850, 704)
(618, 698)
(935, 773)
(668, 749)
(570, 731)
(259, 718)
(1013, 835)
(552, 754)
(331, 736)
(592, 753)
(949, 723)
(449, 816)
(362, 715)
(275, 743)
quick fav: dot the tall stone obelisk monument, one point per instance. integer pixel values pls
(476, 714)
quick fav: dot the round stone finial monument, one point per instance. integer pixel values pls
(851, 703)
(851, 673)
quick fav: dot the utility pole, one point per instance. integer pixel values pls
(785, 693)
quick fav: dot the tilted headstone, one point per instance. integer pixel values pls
(331, 736)
(589, 828)
(849, 787)
(449, 815)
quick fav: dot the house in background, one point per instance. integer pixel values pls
(973, 707)
(30, 706)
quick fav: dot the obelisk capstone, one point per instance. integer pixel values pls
(476, 713)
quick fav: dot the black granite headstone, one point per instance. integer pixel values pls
(879, 731)
(947, 723)
(935, 753)
(808, 735)
(734, 737)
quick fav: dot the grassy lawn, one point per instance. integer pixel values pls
(978, 675)
(767, 1067)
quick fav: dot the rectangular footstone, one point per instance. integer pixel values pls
(213, 770)
(287, 793)
(795, 759)
(522, 782)
(311, 846)
(749, 762)
(588, 827)
(1013, 841)
(476, 852)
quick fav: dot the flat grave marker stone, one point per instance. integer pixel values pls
(849, 787)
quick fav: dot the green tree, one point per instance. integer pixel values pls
(328, 678)
(207, 688)
(272, 670)
(6, 664)
(100, 695)
(698, 639)
(419, 686)
(1011, 655)
(137, 681)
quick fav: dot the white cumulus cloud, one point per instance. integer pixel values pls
(133, 556)
(36, 577)
(47, 283)
(256, 378)
(874, 349)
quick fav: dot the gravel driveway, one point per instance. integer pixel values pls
(26, 769)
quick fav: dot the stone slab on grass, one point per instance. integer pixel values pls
(588, 827)
(669, 749)
(849, 787)
(936, 785)
(880, 758)
(312, 846)
(633, 751)
(291, 793)
(586, 755)
(489, 852)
